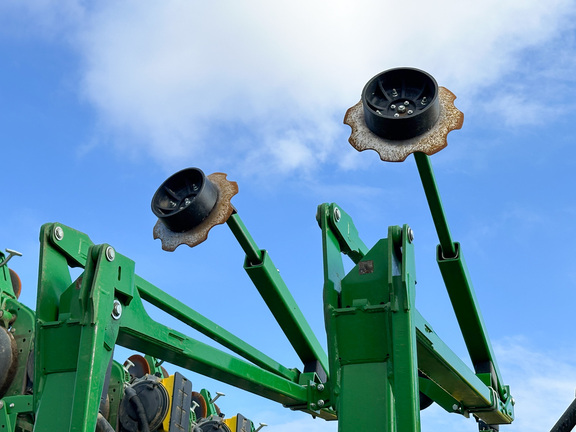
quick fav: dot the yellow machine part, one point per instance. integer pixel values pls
(239, 423)
(169, 384)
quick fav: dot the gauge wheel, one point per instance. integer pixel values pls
(184, 200)
(401, 103)
(140, 366)
(201, 409)
(8, 360)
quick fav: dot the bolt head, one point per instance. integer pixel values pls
(110, 253)
(410, 234)
(455, 407)
(337, 214)
(58, 233)
(116, 310)
(320, 387)
(320, 403)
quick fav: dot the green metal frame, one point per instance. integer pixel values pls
(383, 356)
(76, 334)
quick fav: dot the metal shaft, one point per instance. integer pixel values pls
(246, 241)
(435, 204)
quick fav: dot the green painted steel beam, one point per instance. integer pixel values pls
(438, 362)
(435, 203)
(187, 315)
(461, 292)
(346, 233)
(249, 246)
(139, 332)
(13, 410)
(70, 247)
(376, 339)
(285, 310)
(442, 365)
(277, 296)
(458, 282)
(73, 351)
(77, 333)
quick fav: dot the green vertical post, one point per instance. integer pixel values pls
(75, 347)
(370, 325)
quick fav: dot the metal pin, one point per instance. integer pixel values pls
(11, 253)
(261, 426)
(218, 394)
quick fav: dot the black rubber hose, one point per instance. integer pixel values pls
(102, 424)
(135, 400)
(567, 421)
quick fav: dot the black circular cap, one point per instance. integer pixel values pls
(184, 200)
(155, 402)
(401, 103)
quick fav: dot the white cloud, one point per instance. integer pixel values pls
(168, 77)
(542, 383)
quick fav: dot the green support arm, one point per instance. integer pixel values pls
(407, 342)
(72, 248)
(272, 288)
(85, 319)
(458, 283)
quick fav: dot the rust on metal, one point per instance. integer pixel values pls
(429, 142)
(219, 215)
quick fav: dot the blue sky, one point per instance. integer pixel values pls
(100, 102)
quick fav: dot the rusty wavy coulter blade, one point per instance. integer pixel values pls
(429, 142)
(220, 214)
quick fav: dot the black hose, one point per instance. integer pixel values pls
(102, 424)
(135, 400)
(567, 421)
